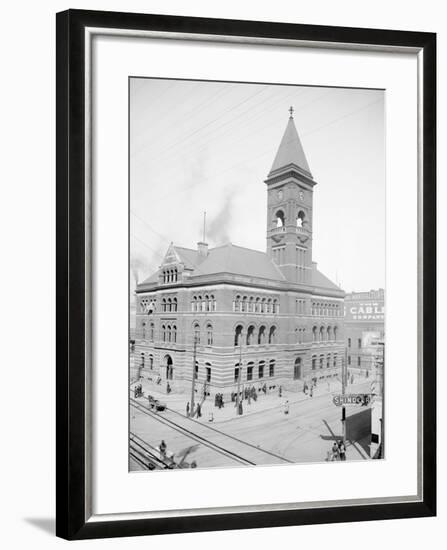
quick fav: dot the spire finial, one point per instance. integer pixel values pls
(291, 111)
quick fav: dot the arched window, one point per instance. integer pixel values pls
(193, 303)
(151, 332)
(321, 334)
(328, 361)
(142, 360)
(272, 368)
(151, 362)
(168, 330)
(207, 302)
(213, 303)
(280, 219)
(250, 335)
(251, 304)
(208, 372)
(335, 360)
(300, 219)
(209, 334)
(197, 333)
(321, 361)
(174, 334)
(275, 306)
(261, 369)
(329, 332)
(261, 335)
(169, 304)
(269, 306)
(250, 371)
(238, 335)
(258, 305)
(237, 303)
(263, 305)
(244, 304)
(163, 304)
(335, 333)
(272, 335)
(314, 334)
(174, 304)
(314, 362)
(163, 333)
(143, 330)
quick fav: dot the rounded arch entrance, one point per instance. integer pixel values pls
(298, 369)
(169, 367)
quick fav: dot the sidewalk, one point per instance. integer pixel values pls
(270, 401)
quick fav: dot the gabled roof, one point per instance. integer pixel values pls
(290, 151)
(320, 280)
(228, 258)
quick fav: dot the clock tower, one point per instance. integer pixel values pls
(289, 208)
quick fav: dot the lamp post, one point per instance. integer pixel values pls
(193, 383)
(239, 374)
(344, 368)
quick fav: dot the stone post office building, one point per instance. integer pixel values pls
(272, 311)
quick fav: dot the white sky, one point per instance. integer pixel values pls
(208, 146)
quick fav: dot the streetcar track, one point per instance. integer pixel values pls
(184, 431)
(234, 438)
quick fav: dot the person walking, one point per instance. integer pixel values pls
(335, 454)
(286, 407)
(199, 410)
(187, 409)
(341, 450)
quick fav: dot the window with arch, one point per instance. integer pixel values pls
(335, 361)
(174, 334)
(174, 304)
(321, 361)
(272, 368)
(261, 369)
(143, 330)
(163, 304)
(335, 333)
(251, 304)
(142, 360)
(169, 304)
(163, 333)
(250, 335)
(329, 333)
(238, 335)
(212, 303)
(275, 306)
(244, 304)
(258, 305)
(151, 362)
(272, 335)
(321, 334)
(314, 362)
(300, 219)
(207, 303)
(314, 334)
(196, 330)
(261, 335)
(250, 371)
(328, 362)
(208, 372)
(280, 219)
(237, 303)
(168, 331)
(151, 332)
(209, 334)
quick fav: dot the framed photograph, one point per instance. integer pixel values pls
(246, 303)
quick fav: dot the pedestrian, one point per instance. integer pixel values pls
(286, 407)
(187, 408)
(311, 391)
(280, 391)
(341, 450)
(241, 410)
(335, 454)
(199, 410)
(163, 448)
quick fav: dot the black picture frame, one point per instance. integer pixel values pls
(72, 516)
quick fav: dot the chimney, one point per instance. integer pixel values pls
(202, 249)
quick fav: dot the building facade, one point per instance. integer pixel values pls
(237, 316)
(364, 326)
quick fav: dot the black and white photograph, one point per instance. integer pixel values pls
(256, 274)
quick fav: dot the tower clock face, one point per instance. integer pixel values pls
(280, 194)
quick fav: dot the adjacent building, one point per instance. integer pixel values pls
(237, 316)
(364, 327)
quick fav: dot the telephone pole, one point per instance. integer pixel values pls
(343, 391)
(193, 383)
(239, 374)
